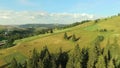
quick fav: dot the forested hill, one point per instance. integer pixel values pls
(41, 25)
(95, 44)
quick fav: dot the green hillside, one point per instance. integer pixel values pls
(87, 32)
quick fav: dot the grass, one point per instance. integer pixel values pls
(19, 57)
(87, 33)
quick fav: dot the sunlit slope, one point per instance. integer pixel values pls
(2, 27)
(87, 33)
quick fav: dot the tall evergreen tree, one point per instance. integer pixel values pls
(14, 63)
(65, 36)
(75, 58)
(84, 58)
(94, 52)
(25, 64)
(20, 65)
(74, 38)
(111, 64)
(62, 59)
(47, 61)
(101, 62)
(34, 59)
(51, 30)
(40, 64)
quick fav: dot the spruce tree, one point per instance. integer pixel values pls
(93, 56)
(34, 59)
(47, 61)
(51, 30)
(101, 62)
(84, 58)
(40, 64)
(74, 38)
(75, 58)
(111, 64)
(25, 64)
(62, 59)
(65, 36)
(19, 65)
(14, 63)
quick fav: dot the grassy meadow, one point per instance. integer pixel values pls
(87, 33)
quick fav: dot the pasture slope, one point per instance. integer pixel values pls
(87, 33)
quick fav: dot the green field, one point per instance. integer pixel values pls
(87, 33)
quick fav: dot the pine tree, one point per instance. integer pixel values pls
(62, 59)
(84, 58)
(40, 64)
(25, 64)
(106, 53)
(20, 65)
(74, 38)
(75, 58)
(47, 61)
(14, 63)
(92, 58)
(53, 63)
(101, 62)
(110, 64)
(65, 36)
(43, 53)
(94, 52)
(34, 59)
(51, 30)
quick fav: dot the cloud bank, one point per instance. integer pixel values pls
(26, 17)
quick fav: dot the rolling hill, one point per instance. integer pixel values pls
(108, 27)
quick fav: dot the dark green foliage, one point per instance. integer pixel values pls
(84, 58)
(74, 38)
(44, 52)
(65, 36)
(94, 52)
(94, 57)
(19, 65)
(34, 59)
(118, 14)
(47, 61)
(62, 59)
(42, 25)
(97, 20)
(69, 37)
(111, 64)
(14, 63)
(25, 64)
(12, 35)
(75, 58)
(51, 30)
(101, 62)
(75, 24)
(103, 30)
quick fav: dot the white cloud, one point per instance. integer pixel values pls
(25, 17)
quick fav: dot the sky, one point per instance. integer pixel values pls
(55, 11)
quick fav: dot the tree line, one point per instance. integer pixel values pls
(10, 36)
(89, 57)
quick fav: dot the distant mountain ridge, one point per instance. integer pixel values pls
(41, 25)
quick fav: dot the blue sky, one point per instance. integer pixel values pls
(55, 11)
(99, 7)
